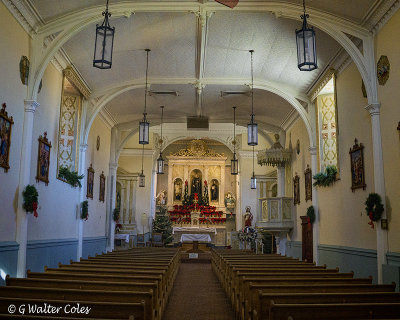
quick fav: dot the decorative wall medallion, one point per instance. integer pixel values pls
(43, 162)
(102, 187)
(5, 137)
(90, 182)
(24, 69)
(357, 166)
(298, 146)
(98, 143)
(383, 70)
(364, 91)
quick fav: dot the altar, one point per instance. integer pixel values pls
(199, 237)
(215, 235)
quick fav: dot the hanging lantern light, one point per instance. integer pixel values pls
(142, 178)
(306, 45)
(160, 160)
(144, 125)
(103, 47)
(252, 127)
(234, 161)
(253, 181)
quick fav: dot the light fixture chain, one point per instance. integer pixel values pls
(147, 70)
(142, 157)
(253, 160)
(162, 116)
(234, 130)
(252, 84)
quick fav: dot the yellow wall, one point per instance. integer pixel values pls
(387, 42)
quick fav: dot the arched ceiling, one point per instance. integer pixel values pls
(177, 41)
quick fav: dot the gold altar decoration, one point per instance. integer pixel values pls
(276, 156)
(198, 149)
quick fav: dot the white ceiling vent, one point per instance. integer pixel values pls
(197, 123)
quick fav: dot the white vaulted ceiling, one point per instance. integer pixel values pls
(174, 40)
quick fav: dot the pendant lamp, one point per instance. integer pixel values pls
(144, 125)
(160, 160)
(142, 178)
(253, 182)
(234, 161)
(252, 127)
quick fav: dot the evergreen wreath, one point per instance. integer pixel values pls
(85, 210)
(116, 214)
(325, 179)
(31, 197)
(70, 177)
(374, 208)
(311, 214)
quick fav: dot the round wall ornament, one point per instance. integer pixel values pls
(383, 70)
(98, 143)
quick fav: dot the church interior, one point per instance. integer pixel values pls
(155, 151)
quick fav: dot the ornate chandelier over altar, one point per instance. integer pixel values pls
(276, 156)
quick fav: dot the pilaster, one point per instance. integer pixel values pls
(314, 167)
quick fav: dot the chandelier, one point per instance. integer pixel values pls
(160, 160)
(234, 161)
(103, 46)
(276, 156)
(306, 45)
(252, 128)
(144, 124)
(253, 181)
(142, 178)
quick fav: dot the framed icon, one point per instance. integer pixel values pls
(43, 162)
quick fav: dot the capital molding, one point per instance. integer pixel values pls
(313, 151)
(31, 105)
(83, 147)
(113, 166)
(373, 109)
(72, 75)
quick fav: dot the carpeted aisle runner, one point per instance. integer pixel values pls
(197, 295)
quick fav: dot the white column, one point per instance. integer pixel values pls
(128, 201)
(314, 167)
(281, 182)
(111, 205)
(379, 183)
(81, 170)
(170, 195)
(122, 207)
(24, 178)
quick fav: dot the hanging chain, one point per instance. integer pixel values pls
(253, 160)
(145, 91)
(304, 6)
(252, 84)
(234, 130)
(162, 115)
(142, 157)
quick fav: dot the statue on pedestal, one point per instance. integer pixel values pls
(248, 217)
(196, 185)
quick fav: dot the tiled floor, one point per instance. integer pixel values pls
(197, 295)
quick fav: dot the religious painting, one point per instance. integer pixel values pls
(5, 136)
(43, 162)
(195, 185)
(357, 166)
(178, 189)
(308, 183)
(90, 182)
(102, 187)
(296, 189)
(214, 190)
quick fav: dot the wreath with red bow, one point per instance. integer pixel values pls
(31, 196)
(374, 208)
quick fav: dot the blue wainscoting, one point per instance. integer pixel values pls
(8, 259)
(93, 245)
(391, 270)
(49, 253)
(293, 249)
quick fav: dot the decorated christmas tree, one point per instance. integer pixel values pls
(163, 225)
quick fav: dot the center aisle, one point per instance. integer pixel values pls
(197, 295)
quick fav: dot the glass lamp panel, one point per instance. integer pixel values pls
(253, 182)
(252, 134)
(234, 166)
(306, 49)
(103, 47)
(142, 180)
(160, 165)
(144, 132)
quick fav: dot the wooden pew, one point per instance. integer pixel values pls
(262, 311)
(111, 310)
(334, 311)
(83, 296)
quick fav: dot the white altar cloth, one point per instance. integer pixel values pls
(194, 229)
(201, 237)
(122, 236)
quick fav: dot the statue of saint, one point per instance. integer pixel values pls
(214, 191)
(196, 185)
(248, 217)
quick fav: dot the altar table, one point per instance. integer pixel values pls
(200, 237)
(193, 229)
(122, 236)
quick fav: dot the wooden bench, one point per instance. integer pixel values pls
(111, 310)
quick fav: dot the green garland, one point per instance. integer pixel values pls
(85, 210)
(70, 177)
(325, 179)
(374, 207)
(311, 214)
(116, 214)
(31, 197)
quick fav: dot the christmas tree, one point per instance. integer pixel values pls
(163, 225)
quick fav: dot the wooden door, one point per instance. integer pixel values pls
(307, 239)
